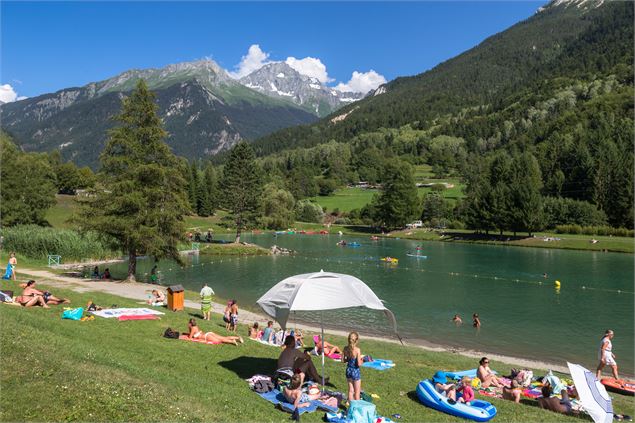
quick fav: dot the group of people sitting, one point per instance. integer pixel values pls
(31, 296)
(555, 396)
(97, 275)
(273, 336)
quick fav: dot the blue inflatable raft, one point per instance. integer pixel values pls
(478, 410)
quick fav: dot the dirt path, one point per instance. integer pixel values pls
(139, 291)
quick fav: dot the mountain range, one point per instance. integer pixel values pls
(204, 110)
(561, 40)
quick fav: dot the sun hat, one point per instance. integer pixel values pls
(439, 377)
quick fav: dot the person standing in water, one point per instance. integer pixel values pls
(476, 321)
(606, 356)
(206, 302)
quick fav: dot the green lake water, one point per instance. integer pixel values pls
(522, 314)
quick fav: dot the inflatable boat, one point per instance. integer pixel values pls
(624, 387)
(478, 410)
(418, 256)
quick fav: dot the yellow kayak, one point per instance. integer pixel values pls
(390, 260)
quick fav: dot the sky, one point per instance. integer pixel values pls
(49, 46)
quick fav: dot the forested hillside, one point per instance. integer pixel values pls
(547, 103)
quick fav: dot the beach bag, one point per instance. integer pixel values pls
(361, 411)
(171, 334)
(73, 314)
(263, 386)
(6, 296)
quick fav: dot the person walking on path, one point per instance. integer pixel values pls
(10, 272)
(206, 302)
(606, 356)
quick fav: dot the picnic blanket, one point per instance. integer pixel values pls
(116, 312)
(277, 398)
(379, 364)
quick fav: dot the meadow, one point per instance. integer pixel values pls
(105, 370)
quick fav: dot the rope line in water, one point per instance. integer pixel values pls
(391, 267)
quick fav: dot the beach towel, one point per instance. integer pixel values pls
(379, 364)
(138, 317)
(200, 341)
(277, 398)
(9, 272)
(260, 341)
(335, 357)
(116, 312)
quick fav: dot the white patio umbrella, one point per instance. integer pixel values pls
(318, 292)
(593, 396)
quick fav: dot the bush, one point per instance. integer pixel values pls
(565, 211)
(594, 230)
(306, 211)
(37, 242)
(326, 186)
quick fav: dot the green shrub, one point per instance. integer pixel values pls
(306, 211)
(37, 242)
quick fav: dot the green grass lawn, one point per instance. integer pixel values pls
(566, 241)
(61, 211)
(104, 370)
(347, 199)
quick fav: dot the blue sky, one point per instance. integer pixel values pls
(49, 46)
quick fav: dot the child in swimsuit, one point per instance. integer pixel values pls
(293, 393)
(354, 359)
(466, 389)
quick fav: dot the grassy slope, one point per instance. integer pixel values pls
(106, 370)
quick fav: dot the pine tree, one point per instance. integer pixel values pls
(241, 186)
(211, 185)
(142, 196)
(398, 202)
(526, 200)
(192, 187)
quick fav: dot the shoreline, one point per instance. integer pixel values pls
(140, 290)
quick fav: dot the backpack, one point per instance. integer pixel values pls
(171, 334)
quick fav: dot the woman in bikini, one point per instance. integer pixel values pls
(196, 333)
(328, 348)
(31, 291)
(30, 301)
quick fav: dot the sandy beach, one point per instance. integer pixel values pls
(139, 291)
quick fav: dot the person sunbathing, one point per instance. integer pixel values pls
(31, 291)
(550, 402)
(254, 331)
(157, 298)
(328, 348)
(513, 392)
(196, 333)
(293, 393)
(486, 375)
(30, 301)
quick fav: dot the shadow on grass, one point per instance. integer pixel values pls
(245, 367)
(413, 396)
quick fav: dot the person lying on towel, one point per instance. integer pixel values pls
(195, 333)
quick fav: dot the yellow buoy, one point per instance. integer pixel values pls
(557, 284)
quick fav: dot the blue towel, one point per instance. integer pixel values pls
(276, 397)
(379, 364)
(9, 272)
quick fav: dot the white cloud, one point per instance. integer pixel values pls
(253, 60)
(310, 66)
(8, 94)
(362, 82)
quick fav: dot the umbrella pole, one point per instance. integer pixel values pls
(322, 324)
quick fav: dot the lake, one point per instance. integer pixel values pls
(522, 313)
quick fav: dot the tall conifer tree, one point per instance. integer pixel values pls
(241, 187)
(142, 195)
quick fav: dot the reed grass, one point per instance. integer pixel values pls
(37, 242)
